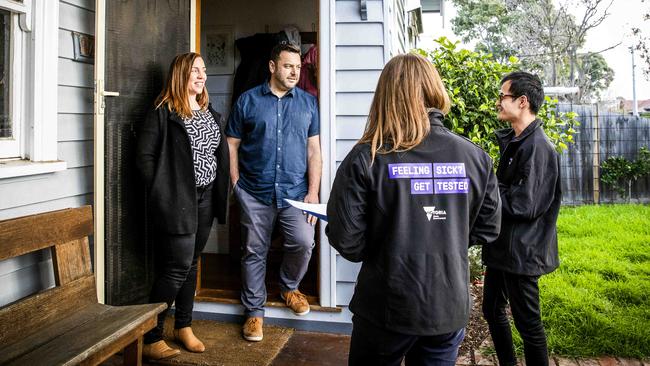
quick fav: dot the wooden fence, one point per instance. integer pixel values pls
(600, 136)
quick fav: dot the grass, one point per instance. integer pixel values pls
(598, 301)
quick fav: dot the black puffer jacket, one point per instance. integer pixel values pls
(411, 217)
(530, 189)
(164, 159)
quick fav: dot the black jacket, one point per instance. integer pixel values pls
(164, 159)
(529, 185)
(415, 273)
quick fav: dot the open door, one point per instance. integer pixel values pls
(243, 41)
(135, 43)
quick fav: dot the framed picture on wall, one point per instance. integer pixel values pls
(218, 49)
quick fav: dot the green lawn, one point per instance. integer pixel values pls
(598, 301)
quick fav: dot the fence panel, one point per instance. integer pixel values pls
(601, 135)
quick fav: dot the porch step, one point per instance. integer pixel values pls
(274, 300)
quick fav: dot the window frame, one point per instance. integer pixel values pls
(34, 87)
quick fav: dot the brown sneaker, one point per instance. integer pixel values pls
(296, 301)
(252, 329)
(159, 351)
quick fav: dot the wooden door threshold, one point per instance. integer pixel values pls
(274, 301)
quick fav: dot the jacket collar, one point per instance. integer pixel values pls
(174, 116)
(506, 135)
(435, 117)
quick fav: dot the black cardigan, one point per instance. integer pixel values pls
(164, 159)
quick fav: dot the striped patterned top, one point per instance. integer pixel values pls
(205, 137)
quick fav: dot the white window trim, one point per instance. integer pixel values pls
(35, 79)
(11, 147)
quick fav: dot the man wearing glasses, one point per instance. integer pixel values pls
(529, 185)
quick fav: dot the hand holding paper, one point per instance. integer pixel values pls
(317, 209)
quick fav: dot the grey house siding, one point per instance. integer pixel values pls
(72, 187)
(362, 49)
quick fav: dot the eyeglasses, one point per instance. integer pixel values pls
(501, 96)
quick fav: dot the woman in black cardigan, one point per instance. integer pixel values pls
(183, 160)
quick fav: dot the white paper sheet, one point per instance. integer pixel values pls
(317, 209)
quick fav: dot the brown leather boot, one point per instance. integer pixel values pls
(189, 340)
(159, 351)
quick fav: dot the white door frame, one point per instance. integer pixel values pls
(99, 140)
(327, 96)
(326, 77)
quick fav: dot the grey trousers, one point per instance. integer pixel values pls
(258, 220)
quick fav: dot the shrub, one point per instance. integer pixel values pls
(619, 173)
(473, 81)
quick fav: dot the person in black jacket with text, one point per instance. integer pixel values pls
(184, 163)
(529, 185)
(408, 201)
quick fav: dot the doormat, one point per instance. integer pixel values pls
(224, 345)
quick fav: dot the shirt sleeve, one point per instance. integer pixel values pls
(314, 126)
(346, 209)
(236, 120)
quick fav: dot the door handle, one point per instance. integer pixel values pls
(100, 94)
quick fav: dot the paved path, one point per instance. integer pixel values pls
(479, 357)
(325, 349)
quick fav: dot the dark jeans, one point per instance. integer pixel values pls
(523, 294)
(176, 267)
(371, 345)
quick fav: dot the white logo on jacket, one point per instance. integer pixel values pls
(433, 214)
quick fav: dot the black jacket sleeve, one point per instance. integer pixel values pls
(487, 225)
(346, 208)
(148, 146)
(532, 194)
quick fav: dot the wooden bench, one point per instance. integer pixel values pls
(65, 325)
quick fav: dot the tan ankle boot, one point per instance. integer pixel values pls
(159, 351)
(189, 340)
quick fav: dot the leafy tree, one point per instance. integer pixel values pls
(643, 41)
(487, 21)
(545, 37)
(594, 76)
(473, 80)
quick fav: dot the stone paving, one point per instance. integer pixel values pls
(489, 360)
(483, 357)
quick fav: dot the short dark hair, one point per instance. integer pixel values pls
(525, 83)
(283, 46)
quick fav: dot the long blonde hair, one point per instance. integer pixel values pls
(407, 88)
(174, 95)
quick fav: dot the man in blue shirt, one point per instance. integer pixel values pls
(273, 135)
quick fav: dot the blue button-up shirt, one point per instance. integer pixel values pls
(273, 149)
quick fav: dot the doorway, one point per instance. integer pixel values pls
(225, 27)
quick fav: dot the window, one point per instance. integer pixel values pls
(431, 6)
(10, 46)
(5, 37)
(28, 86)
